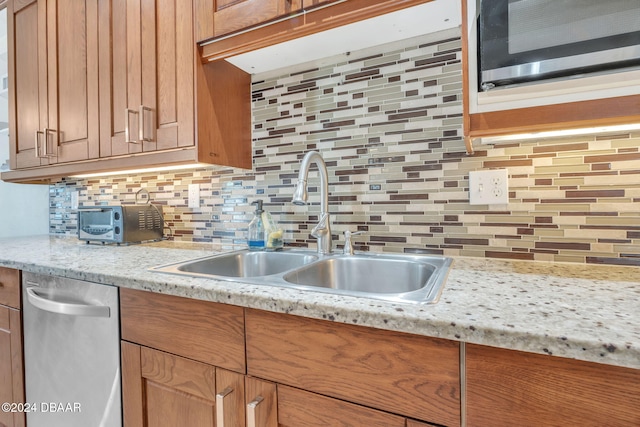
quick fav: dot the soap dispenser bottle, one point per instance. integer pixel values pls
(255, 233)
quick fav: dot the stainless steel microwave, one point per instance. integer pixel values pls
(120, 224)
(527, 40)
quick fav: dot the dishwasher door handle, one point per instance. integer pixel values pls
(67, 308)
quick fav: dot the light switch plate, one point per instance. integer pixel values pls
(489, 187)
(194, 196)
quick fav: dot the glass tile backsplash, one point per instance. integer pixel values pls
(388, 123)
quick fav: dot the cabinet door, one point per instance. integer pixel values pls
(72, 63)
(54, 76)
(511, 388)
(10, 287)
(26, 24)
(234, 15)
(297, 408)
(147, 100)
(229, 399)
(261, 400)
(160, 389)
(11, 370)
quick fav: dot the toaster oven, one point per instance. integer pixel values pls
(120, 224)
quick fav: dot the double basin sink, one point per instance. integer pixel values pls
(417, 279)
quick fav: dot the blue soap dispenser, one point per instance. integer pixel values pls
(255, 233)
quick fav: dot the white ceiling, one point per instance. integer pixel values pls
(415, 21)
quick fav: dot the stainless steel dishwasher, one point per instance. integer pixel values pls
(71, 353)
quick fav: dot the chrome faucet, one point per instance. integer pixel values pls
(322, 231)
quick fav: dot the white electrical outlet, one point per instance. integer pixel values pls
(489, 187)
(194, 196)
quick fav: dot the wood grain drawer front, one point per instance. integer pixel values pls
(10, 287)
(511, 388)
(298, 408)
(204, 331)
(414, 376)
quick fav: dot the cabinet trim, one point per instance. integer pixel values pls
(47, 174)
(318, 19)
(597, 112)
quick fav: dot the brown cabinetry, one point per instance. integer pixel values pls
(183, 363)
(509, 388)
(298, 408)
(11, 368)
(219, 17)
(53, 68)
(146, 102)
(410, 375)
(103, 85)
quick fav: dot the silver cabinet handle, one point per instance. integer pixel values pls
(38, 133)
(127, 133)
(220, 406)
(38, 298)
(252, 408)
(48, 131)
(142, 116)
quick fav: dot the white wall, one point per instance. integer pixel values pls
(24, 209)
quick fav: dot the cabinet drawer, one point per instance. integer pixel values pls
(512, 388)
(10, 287)
(410, 375)
(204, 331)
(297, 408)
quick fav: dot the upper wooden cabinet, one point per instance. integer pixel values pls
(313, 20)
(104, 85)
(146, 102)
(220, 17)
(53, 68)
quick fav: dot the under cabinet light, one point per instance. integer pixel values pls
(142, 170)
(558, 133)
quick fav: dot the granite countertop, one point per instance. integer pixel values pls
(585, 312)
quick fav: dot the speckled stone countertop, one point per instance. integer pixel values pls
(585, 312)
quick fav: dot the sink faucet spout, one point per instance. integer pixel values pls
(322, 231)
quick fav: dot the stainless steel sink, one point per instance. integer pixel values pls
(402, 278)
(241, 264)
(356, 273)
(417, 279)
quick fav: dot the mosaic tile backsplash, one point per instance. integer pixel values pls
(389, 126)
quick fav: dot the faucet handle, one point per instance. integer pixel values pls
(348, 244)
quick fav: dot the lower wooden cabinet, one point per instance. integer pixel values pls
(409, 375)
(512, 388)
(163, 390)
(11, 365)
(190, 362)
(208, 332)
(298, 408)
